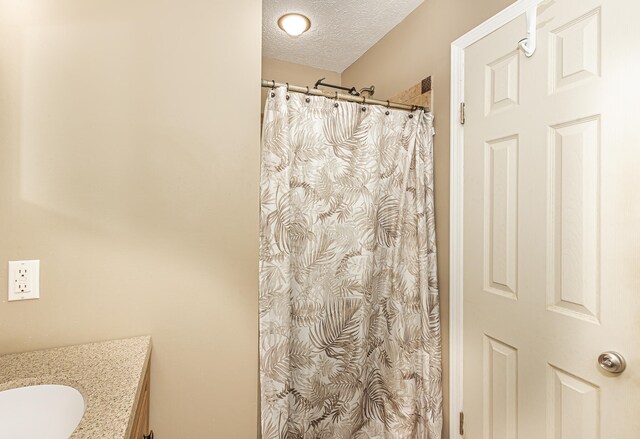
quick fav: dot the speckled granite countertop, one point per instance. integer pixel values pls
(109, 375)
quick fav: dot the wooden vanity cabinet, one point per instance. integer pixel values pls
(140, 428)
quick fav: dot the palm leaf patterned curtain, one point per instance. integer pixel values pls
(349, 310)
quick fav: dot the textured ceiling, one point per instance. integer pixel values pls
(341, 30)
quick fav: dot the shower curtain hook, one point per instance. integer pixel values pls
(273, 84)
(287, 87)
(388, 103)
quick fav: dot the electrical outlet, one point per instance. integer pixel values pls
(24, 280)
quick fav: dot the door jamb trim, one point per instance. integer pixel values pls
(456, 272)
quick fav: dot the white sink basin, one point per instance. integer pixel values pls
(44, 412)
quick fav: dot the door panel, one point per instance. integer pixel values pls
(573, 406)
(500, 398)
(574, 227)
(552, 226)
(501, 221)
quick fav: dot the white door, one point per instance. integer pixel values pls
(552, 226)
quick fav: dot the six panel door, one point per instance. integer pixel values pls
(551, 220)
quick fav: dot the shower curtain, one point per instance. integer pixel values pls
(349, 310)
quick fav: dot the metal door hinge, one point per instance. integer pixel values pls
(462, 115)
(461, 424)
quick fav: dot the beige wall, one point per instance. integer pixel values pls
(416, 48)
(129, 149)
(294, 74)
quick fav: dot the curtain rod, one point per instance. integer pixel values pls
(343, 97)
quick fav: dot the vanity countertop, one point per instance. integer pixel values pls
(109, 375)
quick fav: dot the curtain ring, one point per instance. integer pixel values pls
(388, 103)
(287, 87)
(307, 90)
(273, 84)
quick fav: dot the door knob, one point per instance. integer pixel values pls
(612, 362)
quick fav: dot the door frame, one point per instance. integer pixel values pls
(456, 273)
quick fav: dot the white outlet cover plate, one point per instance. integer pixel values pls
(33, 274)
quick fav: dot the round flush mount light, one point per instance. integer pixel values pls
(294, 24)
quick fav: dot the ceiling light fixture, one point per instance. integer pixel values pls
(294, 24)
